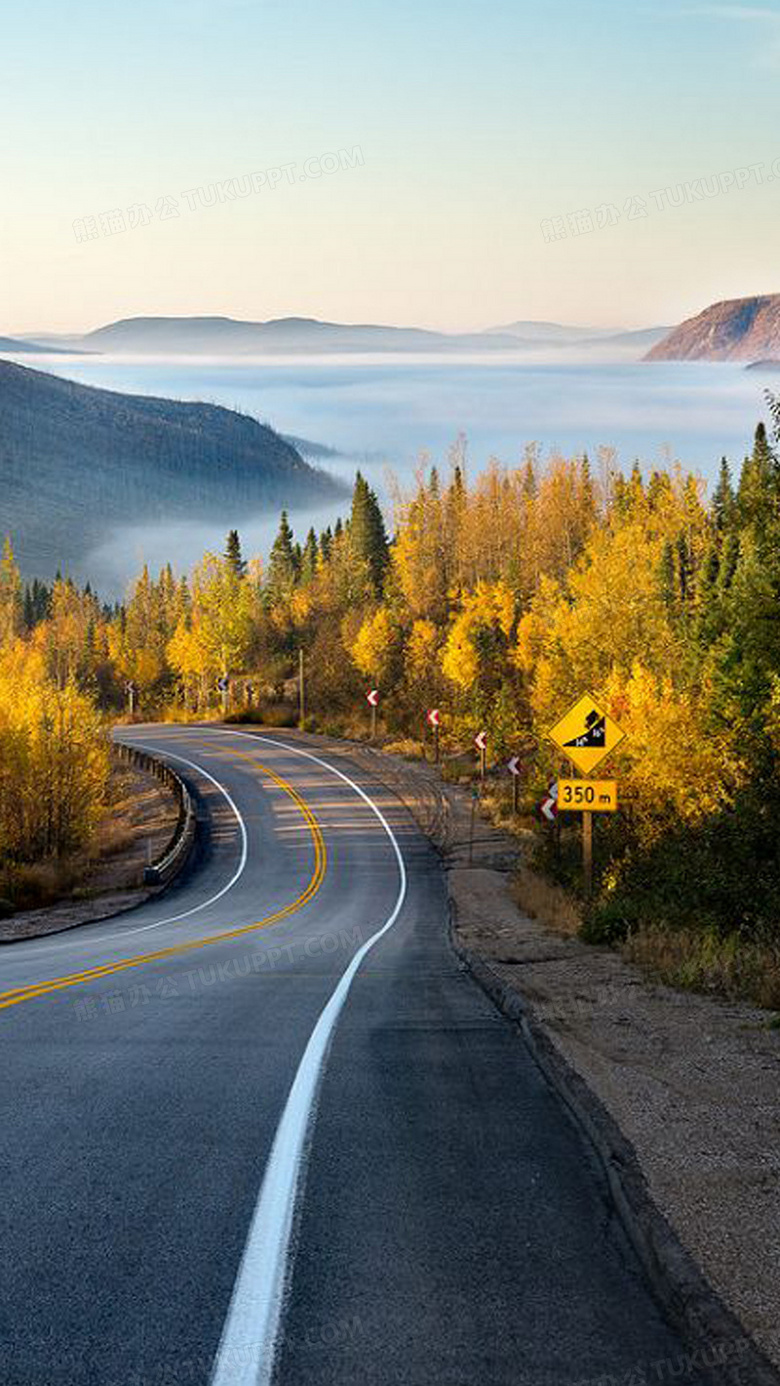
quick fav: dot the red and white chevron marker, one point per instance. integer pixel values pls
(434, 716)
(514, 768)
(480, 741)
(372, 697)
(548, 806)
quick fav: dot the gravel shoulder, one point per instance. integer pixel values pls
(692, 1083)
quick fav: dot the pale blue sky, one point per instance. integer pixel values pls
(475, 122)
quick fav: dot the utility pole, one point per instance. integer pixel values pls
(301, 690)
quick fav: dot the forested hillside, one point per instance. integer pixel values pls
(74, 461)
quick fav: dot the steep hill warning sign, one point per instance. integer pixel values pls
(586, 734)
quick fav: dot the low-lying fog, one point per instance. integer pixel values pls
(381, 413)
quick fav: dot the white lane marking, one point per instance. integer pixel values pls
(247, 1349)
(117, 937)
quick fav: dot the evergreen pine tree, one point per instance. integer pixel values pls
(669, 575)
(685, 568)
(457, 491)
(29, 608)
(729, 559)
(282, 570)
(723, 499)
(309, 558)
(233, 554)
(367, 534)
(759, 485)
(709, 606)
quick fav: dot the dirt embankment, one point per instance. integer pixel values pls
(137, 826)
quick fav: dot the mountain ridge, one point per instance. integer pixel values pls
(199, 334)
(216, 334)
(734, 329)
(145, 459)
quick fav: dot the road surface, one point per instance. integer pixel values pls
(266, 1129)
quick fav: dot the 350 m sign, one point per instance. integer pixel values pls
(596, 796)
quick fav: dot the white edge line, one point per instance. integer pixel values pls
(174, 918)
(247, 1348)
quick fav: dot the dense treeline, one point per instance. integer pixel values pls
(53, 740)
(500, 600)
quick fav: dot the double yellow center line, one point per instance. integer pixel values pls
(93, 974)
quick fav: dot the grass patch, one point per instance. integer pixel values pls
(32, 886)
(406, 747)
(542, 899)
(694, 960)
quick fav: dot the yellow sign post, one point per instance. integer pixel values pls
(587, 735)
(595, 796)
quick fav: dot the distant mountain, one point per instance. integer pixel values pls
(639, 339)
(581, 343)
(740, 329)
(221, 336)
(76, 462)
(547, 333)
(229, 336)
(65, 343)
(12, 346)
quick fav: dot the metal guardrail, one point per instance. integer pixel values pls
(171, 861)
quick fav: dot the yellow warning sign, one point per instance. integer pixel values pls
(586, 734)
(594, 796)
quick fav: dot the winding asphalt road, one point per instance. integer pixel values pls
(266, 1129)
